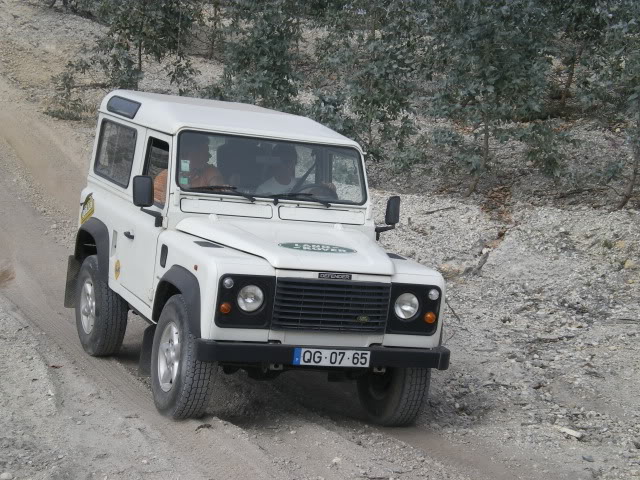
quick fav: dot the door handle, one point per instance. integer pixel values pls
(129, 235)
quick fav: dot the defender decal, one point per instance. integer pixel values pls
(317, 247)
(335, 276)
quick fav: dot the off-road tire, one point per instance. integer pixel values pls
(394, 399)
(110, 324)
(189, 396)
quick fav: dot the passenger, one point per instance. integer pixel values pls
(284, 175)
(160, 188)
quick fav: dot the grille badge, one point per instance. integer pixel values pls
(362, 319)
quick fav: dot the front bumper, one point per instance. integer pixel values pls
(246, 353)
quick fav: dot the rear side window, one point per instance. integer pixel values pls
(116, 150)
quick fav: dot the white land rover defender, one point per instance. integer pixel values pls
(245, 237)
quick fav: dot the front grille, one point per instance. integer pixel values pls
(302, 304)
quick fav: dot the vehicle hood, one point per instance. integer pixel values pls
(316, 247)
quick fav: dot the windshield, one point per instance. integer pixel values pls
(256, 167)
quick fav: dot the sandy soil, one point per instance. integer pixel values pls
(544, 335)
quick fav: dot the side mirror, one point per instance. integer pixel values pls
(391, 217)
(393, 211)
(142, 191)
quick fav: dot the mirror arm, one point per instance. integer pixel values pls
(154, 214)
(383, 228)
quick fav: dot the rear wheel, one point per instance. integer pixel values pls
(101, 314)
(394, 398)
(181, 384)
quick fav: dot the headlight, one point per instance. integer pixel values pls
(250, 298)
(434, 294)
(406, 306)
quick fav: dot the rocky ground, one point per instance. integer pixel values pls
(55, 424)
(543, 320)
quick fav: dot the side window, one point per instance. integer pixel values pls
(156, 166)
(115, 153)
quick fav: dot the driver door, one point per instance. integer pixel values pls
(139, 255)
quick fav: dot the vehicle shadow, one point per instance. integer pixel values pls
(248, 403)
(129, 354)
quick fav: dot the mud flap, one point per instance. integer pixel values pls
(144, 367)
(73, 268)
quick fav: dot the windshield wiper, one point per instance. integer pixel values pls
(292, 195)
(226, 189)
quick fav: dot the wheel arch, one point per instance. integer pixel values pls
(178, 280)
(93, 239)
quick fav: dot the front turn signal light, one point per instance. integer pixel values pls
(430, 318)
(225, 307)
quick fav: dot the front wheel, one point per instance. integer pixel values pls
(394, 398)
(181, 384)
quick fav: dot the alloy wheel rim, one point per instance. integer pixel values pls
(169, 357)
(88, 306)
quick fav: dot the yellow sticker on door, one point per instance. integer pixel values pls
(88, 207)
(116, 270)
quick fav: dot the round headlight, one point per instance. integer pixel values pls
(250, 298)
(406, 306)
(434, 294)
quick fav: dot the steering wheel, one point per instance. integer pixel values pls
(327, 191)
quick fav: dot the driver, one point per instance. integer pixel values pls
(284, 175)
(195, 170)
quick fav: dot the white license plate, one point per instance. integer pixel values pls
(331, 358)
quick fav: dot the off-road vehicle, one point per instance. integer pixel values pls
(246, 238)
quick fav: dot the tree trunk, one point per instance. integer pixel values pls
(297, 22)
(370, 133)
(141, 36)
(215, 30)
(628, 191)
(572, 70)
(372, 31)
(485, 159)
(140, 56)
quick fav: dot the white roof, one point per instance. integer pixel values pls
(171, 113)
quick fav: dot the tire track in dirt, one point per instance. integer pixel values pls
(44, 153)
